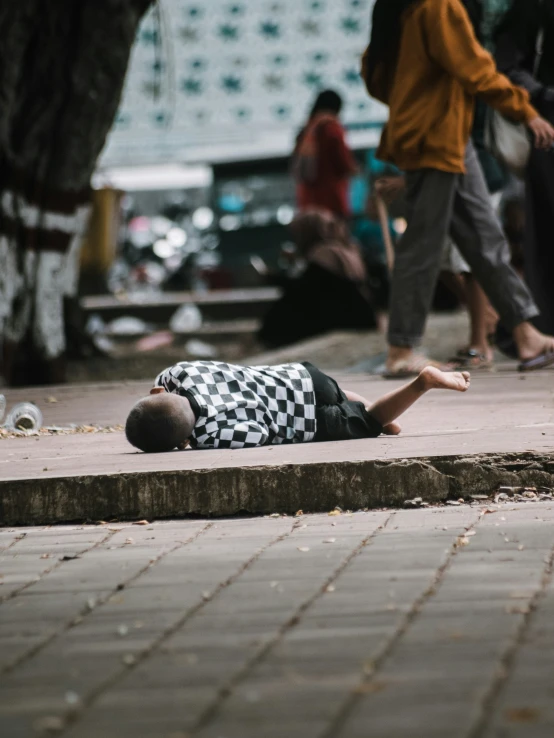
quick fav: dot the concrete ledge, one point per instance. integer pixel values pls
(312, 487)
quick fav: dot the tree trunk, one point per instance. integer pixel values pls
(62, 68)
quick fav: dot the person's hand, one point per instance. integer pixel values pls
(543, 132)
(390, 187)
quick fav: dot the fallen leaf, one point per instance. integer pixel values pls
(51, 399)
(303, 549)
(298, 513)
(370, 688)
(517, 609)
(334, 512)
(522, 714)
(141, 522)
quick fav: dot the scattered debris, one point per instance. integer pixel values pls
(329, 540)
(141, 522)
(55, 430)
(200, 349)
(123, 630)
(416, 502)
(518, 609)
(186, 319)
(72, 698)
(25, 416)
(49, 724)
(129, 660)
(298, 513)
(70, 557)
(128, 325)
(522, 714)
(303, 549)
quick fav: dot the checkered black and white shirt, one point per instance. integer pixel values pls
(243, 407)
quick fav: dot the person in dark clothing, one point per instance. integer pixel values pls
(331, 293)
(525, 53)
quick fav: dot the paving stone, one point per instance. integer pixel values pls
(223, 549)
(441, 669)
(227, 636)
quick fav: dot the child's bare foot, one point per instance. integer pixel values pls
(392, 429)
(432, 378)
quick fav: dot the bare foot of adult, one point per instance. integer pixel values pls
(432, 378)
(536, 350)
(405, 362)
(392, 429)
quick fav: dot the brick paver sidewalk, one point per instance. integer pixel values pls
(388, 624)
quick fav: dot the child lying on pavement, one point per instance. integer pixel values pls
(209, 404)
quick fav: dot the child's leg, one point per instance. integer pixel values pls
(391, 406)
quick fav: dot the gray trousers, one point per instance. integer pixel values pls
(439, 204)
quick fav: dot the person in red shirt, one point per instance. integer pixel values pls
(322, 160)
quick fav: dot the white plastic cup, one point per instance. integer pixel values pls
(25, 416)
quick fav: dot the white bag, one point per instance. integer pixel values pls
(508, 142)
(511, 142)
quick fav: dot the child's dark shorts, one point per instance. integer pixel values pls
(338, 418)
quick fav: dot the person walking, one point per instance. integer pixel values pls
(525, 53)
(322, 160)
(426, 64)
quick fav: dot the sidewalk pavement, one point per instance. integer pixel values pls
(435, 623)
(500, 432)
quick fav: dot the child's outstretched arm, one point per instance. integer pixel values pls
(390, 407)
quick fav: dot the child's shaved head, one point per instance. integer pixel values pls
(160, 422)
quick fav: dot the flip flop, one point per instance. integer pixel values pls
(412, 367)
(538, 362)
(470, 359)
